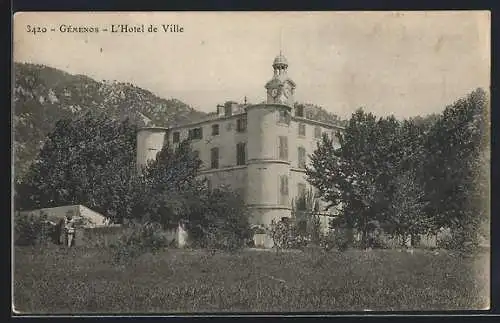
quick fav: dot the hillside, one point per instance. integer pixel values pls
(43, 95)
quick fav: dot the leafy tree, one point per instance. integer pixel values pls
(407, 208)
(306, 210)
(456, 167)
(412, 176)
(221, 220)
(168, 187)
(90, 161)
(355, 176)
(31, 229)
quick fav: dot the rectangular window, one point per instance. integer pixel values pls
(301, 197)
(301, 190)
(176, 136)
(215, 130)
(302, 157)
(283, 190)
(241, 154)
(284, 116)
(228, 110)
(196, 154)
(299, 111)
(317, 132)
(283, 148)
(241, 124)
(196, 133)
(302, 130)
(214, 157)
(209, 184)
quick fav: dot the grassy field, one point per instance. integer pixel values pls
(82, 281)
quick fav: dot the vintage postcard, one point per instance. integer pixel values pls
(250, 162)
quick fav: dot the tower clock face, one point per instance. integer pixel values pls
(274, 93)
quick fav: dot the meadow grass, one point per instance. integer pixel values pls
(79, 280)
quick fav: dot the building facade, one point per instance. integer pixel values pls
(260, 150)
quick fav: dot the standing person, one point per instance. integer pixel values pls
(69, 227)
(59, 232)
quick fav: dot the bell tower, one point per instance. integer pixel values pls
(280, 89)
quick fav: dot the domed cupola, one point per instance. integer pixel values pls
(280, 89)
(280, 62)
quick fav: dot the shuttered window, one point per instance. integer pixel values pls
(283, 148)
(283, 190)
(214, 158)
(176, 137)
(301, 151)
(241, 124)
(241, 154)
(302, 130)
(215, 130)
(317, 132)
(196, 133)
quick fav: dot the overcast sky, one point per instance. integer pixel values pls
(404, 64)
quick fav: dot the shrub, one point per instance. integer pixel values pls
(279, 232)
(336, 239)
(31, 229)
(314, 229)
(287, 235)
(376, 239)
(219, 239)
(221, 222)
(139, 239)
(459, 240)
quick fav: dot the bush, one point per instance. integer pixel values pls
(219, 239)
(31, 229)
(314, 229)
(279, 232)
(336, 239)
(459, 240)
(140, 239)
(376, 239)
(288, 235)
(222, 222)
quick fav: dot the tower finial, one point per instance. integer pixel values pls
(281, 40)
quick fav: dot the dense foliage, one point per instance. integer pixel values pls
(412, 176)
(91, 161)
(221, 220)
(31, 230)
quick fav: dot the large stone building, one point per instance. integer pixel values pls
(259, 149)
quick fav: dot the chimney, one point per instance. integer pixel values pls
(220, 110)
(230, 108)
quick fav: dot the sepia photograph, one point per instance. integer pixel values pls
(198, 163)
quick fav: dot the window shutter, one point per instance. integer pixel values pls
(285, 143)
(283, 148)
(302, 157)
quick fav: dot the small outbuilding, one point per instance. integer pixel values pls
(88, 217)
